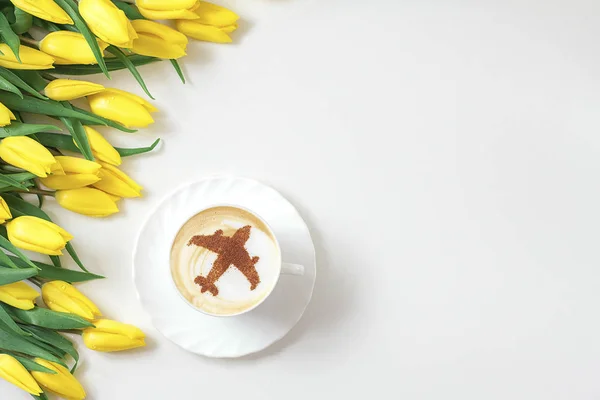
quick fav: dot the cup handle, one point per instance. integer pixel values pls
(292, 269)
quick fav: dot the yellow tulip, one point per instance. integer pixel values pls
(6, 115)
(107, 22)
(71, 89)
(158, 40)
(168, 9)
(63, 297)
(44, 9)
(87, 201)
(78, 173)
(4, 211)
(30, 58)
(116, 182)
(26, 153)
(14, 372)
(62, 382)
(101, 148)
(36, 234)
(123, 107)
(68, 47)
(214, 23)
(18, 295)
(110, 336)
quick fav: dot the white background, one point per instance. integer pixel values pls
(446, 156)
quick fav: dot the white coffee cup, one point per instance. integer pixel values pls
(184, 262)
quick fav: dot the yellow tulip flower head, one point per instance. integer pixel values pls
(62, 382)
(168, 9)
(63, 297)
(78, 173)
(101, 148)
(44, 9)
(108, 336)
(36, 234)
(19, 295)
(6, 115)
(123, 107)
(14, 372)
(116, 182)
(26, 153)
(4, 211)
(68, 47)
(30, 58)
(107, 22)
(71, 89)
(158, 40)
(214, 23)
(87, 201)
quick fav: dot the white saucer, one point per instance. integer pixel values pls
(223, 336)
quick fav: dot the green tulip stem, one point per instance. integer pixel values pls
(29, 41)
(36, 282)
(37, 191)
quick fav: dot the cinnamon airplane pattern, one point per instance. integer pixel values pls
(231, 251)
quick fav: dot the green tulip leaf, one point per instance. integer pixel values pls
(79, 136)
(178, 70)
(111, 65)
(5, 260)
(65, 142)
(51, 273)
(118, 53)
(11, 38)
(42, 396)
(31, 365)
(22, 177)
(7, 180)
(21, 129)
(45, 107)
(56, 261)
(13, 342)
(9, 87)
(130, 10)
(10, 323)
(23, 21)
(75, 257)
(33, 78)
(71, 8)
(20, 83)
(7, 245)
(46, 25)
(49, 348)
(139, 150)
(46, 318)
(54, 339)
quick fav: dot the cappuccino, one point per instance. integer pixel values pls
(225, 260)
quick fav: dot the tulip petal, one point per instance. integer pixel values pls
(44, 9)
(102, 149)
(26, 153)
(116, 182)
(73, 181)
(36, 234)
(108, 342)
(19, 295)
(107, 22)
(69, 48)
(87, 201)
(162, 5)
(170, 14)
(212, 14)
(31, 59)
(120, 109)
(14, 372)
(71, 89)
(206, 33)
(62, 383)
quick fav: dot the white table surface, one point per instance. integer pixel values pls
(446, 156)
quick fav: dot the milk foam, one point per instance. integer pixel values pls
(234, 294)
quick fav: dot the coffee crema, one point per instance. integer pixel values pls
(225, 260)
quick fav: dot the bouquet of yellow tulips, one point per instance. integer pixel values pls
(72, 162)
